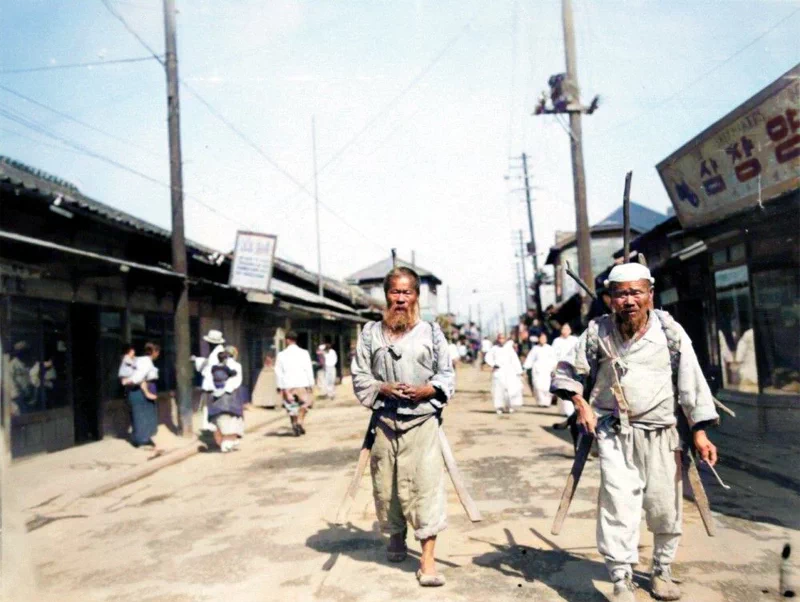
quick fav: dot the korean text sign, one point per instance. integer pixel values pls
(749, 156)
(253, 259)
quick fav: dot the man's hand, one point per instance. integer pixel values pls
(586, 418)
(706, 449)
(393, 390)
(418, 394)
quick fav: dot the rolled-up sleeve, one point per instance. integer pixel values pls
(365, 386)
(570, 374)
(694, 395)
(444, 380)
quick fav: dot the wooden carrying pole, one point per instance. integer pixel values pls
(626, 218)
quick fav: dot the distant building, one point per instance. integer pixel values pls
(606, 237)
(370, 280)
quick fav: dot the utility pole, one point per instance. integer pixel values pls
(316, 203)
(448, 299)
(565, 97)
(179, 262)
(503, 314)
(525, 302)
(536, 296)
(576, 144)
(480, 320)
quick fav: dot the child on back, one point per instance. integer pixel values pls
(225, 412)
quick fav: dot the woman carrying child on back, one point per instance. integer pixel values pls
(225, 410)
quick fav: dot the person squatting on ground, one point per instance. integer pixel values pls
(506, 372)
(225, 408)
(142, 394)
(639, 447)
(294, 376)
(541, 361)
(403, 372)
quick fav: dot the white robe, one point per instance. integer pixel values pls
(541, 361)
(506, 382)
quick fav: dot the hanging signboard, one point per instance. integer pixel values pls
(253, 258)
(748, 157)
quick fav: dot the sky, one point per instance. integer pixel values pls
(421, 111)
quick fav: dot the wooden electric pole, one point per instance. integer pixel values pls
(536, 296)
(524, 283)
(316, 205)
(183, 374)
(583, 236)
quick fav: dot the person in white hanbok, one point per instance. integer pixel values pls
(506, 372)
(541, 361)
(564, 347)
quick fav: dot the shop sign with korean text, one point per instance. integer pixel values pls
(253, 258)
(748, 157)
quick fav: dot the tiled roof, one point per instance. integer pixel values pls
(21, 175)
(378, 270)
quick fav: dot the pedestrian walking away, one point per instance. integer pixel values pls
(294, 376)
(541, 361)
(331, 360)
(203, 365)
(506, 373)
(141, 391)
(225, 408)
(403, 372)
(639, 368)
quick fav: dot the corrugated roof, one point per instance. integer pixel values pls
(378, 270)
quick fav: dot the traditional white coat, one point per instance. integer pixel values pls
(541, 361)
(506, 382)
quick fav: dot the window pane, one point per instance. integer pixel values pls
(737, 252)
(735, 336)
(719, 257)
(777, 314)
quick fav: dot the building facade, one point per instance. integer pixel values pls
(78, 279)
(370, 280)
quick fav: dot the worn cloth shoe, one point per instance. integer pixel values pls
(662, 586)
(624, 591)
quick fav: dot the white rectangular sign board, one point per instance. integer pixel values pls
(253, 258)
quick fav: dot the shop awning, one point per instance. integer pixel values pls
(325, 313)
(284, 289)
(46, 244)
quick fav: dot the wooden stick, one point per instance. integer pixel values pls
(626, 218)
(581, 454)
(458, 483)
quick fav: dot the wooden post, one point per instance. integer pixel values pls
(626, 218)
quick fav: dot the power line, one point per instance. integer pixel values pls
(20, 119)
(140, 59)
(70, 117)
(704, 74)
(132, 31)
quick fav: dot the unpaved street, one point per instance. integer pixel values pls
(254, 525)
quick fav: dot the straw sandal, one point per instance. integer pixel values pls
(430, 580)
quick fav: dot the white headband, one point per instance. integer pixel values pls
(629, 272)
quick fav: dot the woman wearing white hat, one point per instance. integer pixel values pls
(204, 365)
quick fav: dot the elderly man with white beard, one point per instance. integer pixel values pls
(402, 371)
(647, 358)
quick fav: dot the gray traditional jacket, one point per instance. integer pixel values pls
(421, 356)
(645, 374)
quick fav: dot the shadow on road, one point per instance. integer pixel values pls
(360, 545)
(571, 575)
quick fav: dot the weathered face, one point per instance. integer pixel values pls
(631, 300)
(402, 295)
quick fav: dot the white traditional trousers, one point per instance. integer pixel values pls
(408, 480)
(639, 470)
(330, 381)
(506, 390)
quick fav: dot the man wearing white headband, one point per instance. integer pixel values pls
(650, 356)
